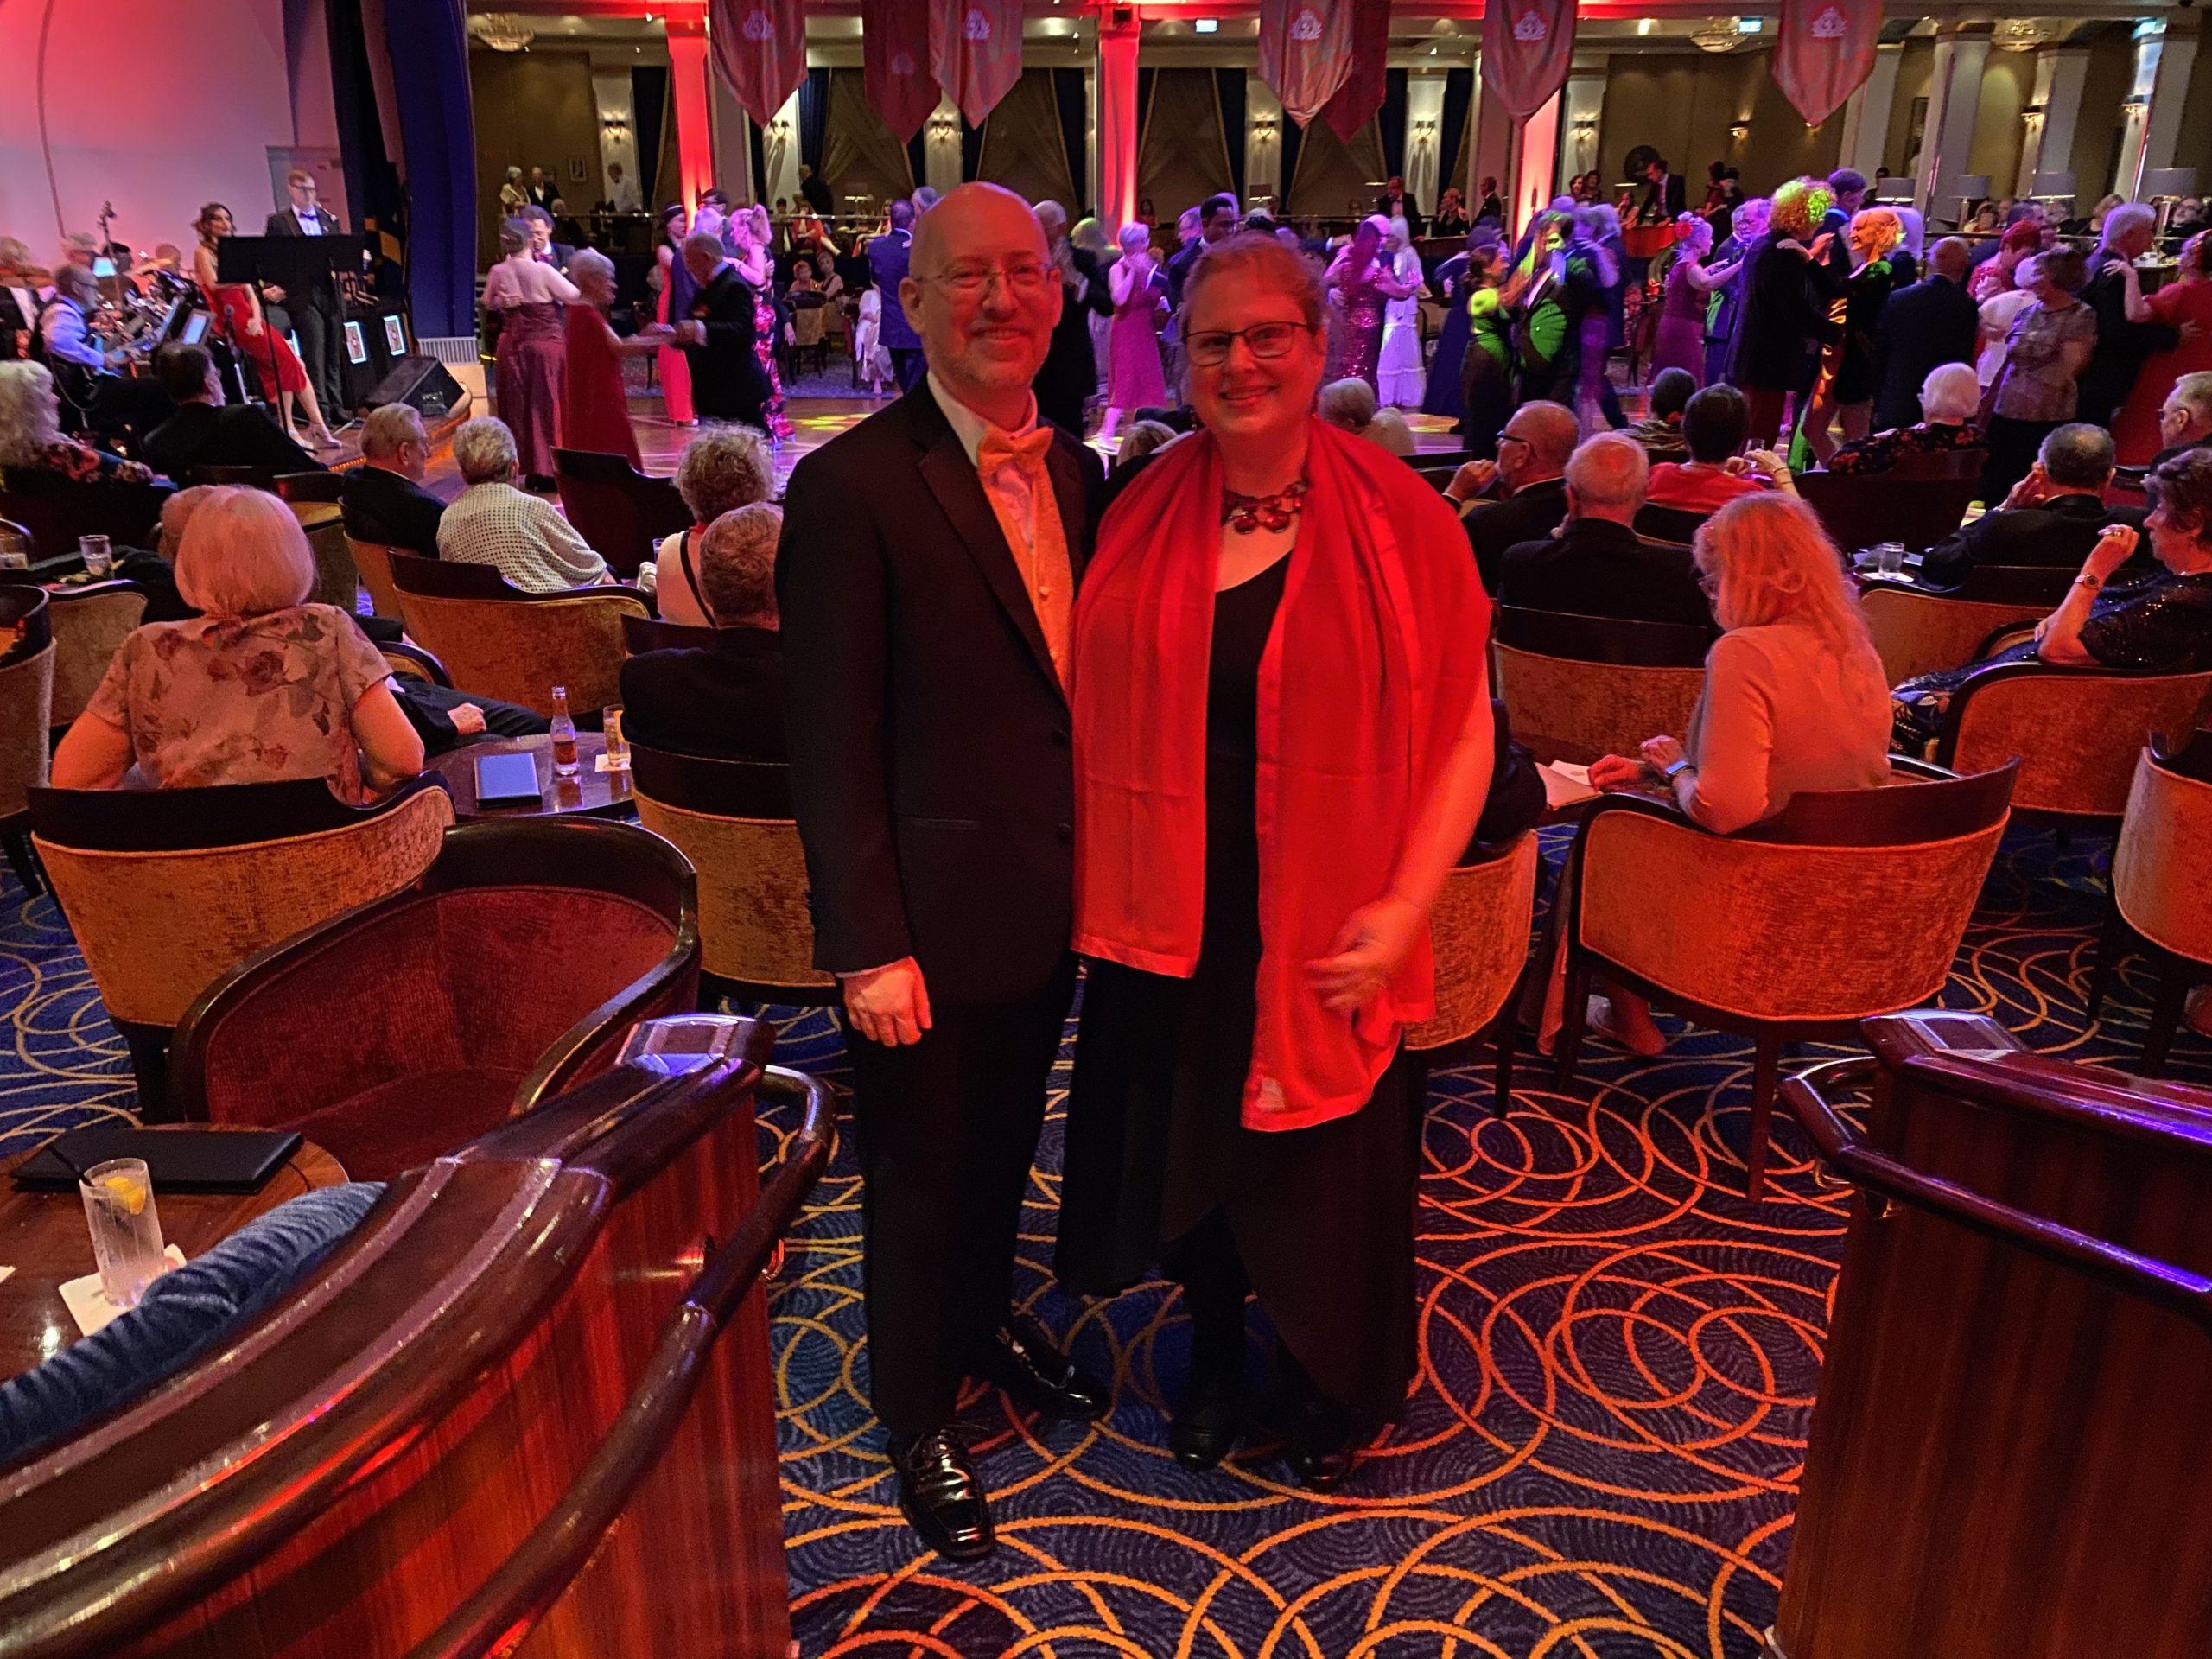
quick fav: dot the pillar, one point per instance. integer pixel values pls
(1425, 138)
(2175, 58)
(1263, 118)
(688, 81)
(2054, 112)
(613, 101)
(1585, 104)
(1494, 154)
(1954, 100)
(1090, 135)
(1866, 114)
(1117, 118)
(1534, 164)
(779, 155)
(733, 145)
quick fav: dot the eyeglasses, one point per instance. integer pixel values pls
(1505, 438)
(1266, 339)
(1026, 277)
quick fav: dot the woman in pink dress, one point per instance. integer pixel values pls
(676, 290)
(1680, 341)
(533, 349)
(1358, 284)
(2185, 299)
(1138, 288)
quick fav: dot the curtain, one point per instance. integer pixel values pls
(1293, 138)
(1182, 158)
(371, 181)
(1022, 145)
(1228, 94)
(813, 115)
(429, 47)
(759, 139)
(1335, 180)
(1458, 131)
(860, 156)
(1392, 124)
(649, 102)
(1075, 118)
(917, 155)
(971, 149)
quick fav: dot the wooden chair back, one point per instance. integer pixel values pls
(1669, 524)
(312, 487)
(246, 478)
(1917, 632)
(2158, 867)
(372, 560)
(2078, 731)
(337, 581)
(1478, 930)
(1579, 687)
(1941, 463)
(496, 640)
(163, 896)
(622, 513)
(1859, 511)
(409, 660)
(90, 625)
(732, 820)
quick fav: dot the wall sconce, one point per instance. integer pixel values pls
(945, 128)
(2135, 106)
(1424, 131)
(1266, 129)
(1739, 130)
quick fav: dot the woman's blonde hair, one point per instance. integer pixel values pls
(243, 553)
(724, 469)
(30, 421)
(1873, 232)
(1765, 558)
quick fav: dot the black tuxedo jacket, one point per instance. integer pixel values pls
(727, 702)
(930, 735)
(1596, 568)
(1528, 516)
(1069, 374)
(1924, 326)
(2058, 533)
(13, 322)
(727, 383)
(237, 435)
(281, 223)
(380, 505)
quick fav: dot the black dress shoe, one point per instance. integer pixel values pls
(1208, 1423)
(1024, 1363)
(1320, 1448)
(941, 1496)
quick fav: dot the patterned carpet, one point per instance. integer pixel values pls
(1619, 1355)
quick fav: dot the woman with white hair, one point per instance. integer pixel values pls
(2127, 332)
(721, 471)
(1950, 397)
(1361, 281)
(533, 351)
(1400, 379)
(32, 447)
(594, 405)
(261, 686)
(522, 535)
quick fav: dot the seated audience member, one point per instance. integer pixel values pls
(1596, 564)
(1350, 406)
(1792, 699)
(726, 700)
(1139, 441)
(153, 573)
(2053, 517)
(1949, 398)
(1714, 426)
(2163, 624)
(1530, 481)
(32, 450)
(383, 499)
(1661, 431)
(205, 431)
(1515, 801)
(2185, 418)
(721, 471)
(521, 536)
(259, 687)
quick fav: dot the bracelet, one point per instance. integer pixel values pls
(2093, 583)
(1675, 768)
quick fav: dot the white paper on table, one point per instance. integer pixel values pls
(600, 763)
(88, 1304)
(5, 1275)
(1566, 784)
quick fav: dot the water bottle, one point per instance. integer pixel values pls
(564, 734)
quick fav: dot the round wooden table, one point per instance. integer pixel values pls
(591, 793)
(44, 1237)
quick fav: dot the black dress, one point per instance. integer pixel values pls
(1322, 1219)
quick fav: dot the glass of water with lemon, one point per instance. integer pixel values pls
(126, 1229)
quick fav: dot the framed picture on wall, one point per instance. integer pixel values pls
(576, 171)
(395, 337)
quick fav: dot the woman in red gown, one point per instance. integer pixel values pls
(594, 405)
(281, 376)
(2187, 299)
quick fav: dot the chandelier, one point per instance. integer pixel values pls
(1716, 34)
(503, 31)
(2025, 34)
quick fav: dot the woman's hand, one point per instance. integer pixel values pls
(2113, 549)
(1661, 753)
(1611, 772)
(1368, 951)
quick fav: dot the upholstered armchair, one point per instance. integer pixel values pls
(496, 640)
(1579, 687)
(25, 704)
(621, 512)
(90, 625)
(1918, 631)
(373, 560)
(1478, 930)
(2161, 887)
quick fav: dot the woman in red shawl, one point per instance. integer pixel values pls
(1282, 741)
(595, 405)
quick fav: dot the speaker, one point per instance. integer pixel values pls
(422, 382)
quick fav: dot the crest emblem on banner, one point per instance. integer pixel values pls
(1829, 25)
(756, 26)
(976, 51)
(1824, 52)
(894, 37)
(976, 26)
(1527, 47)
(1307, 27)
(1530, 28)
(760, 52)
(1305, 52)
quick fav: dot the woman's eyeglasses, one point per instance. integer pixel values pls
(1267, 340)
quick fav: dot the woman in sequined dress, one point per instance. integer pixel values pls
(757, 266)
(1360, 283)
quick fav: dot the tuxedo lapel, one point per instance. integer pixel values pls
(1067, 491)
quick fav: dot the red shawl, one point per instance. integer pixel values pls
(1365, 686)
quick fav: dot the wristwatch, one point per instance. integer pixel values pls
(1675, 768)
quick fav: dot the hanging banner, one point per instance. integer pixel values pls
(1527, 45)
(1355, 102)
(895, 64)
(760, 52)
(1826, 53)
(1305, 52)
(976, 51)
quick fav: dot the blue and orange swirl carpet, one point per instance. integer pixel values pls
(1618, 1358)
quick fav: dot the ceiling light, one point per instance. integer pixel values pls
(1715, 35)
(504, 32)
(2024, 34)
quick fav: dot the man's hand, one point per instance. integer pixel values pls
(1471, 481)
(890, 1006)
(468, 719)
(2030, 490)
(273, 293)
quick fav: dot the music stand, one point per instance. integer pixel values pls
(298, 265)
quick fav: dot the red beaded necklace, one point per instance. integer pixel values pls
(1247, 513)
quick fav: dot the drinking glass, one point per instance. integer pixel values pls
(618, 747)
(126, 1229)
(98, 556)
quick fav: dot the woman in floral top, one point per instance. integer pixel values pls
(1949, 398)
(2050, 344)
(31, 444)
(258, 688)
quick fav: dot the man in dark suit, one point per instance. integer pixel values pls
(1521, 496)
(1666, 196)
(1597, 565)
(541, 190)
(382, 500)
(205, 432)
(2053, 517)
(313, 314)
(924, 576)
(1924, 326)
(815, 189)
(1070, 377)
(1217, 223)
(18, 300)
(542, 247)
(1395, 203)
(727, 699)
(717, 338)
(888, 258)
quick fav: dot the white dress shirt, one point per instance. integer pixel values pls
(309, 220)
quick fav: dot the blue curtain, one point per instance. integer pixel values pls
(1459, 92)
(1229, 88)
(371, 181)
(1293, 137)
(428, 46)
(918, 154)
(1393, 120)
(648, 98)
(813, 115)
(758, 140)
(971, 149)
(1074, 110)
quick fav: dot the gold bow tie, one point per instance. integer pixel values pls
(999, 449)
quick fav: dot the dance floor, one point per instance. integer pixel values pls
(1599, 1460)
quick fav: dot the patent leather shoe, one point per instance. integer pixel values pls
(1024, 1363)
(941, 1496)
(1319, 1449)
(1208, 1423)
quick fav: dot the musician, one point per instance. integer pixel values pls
(312, 315)
(19, 299)
(94, 396)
